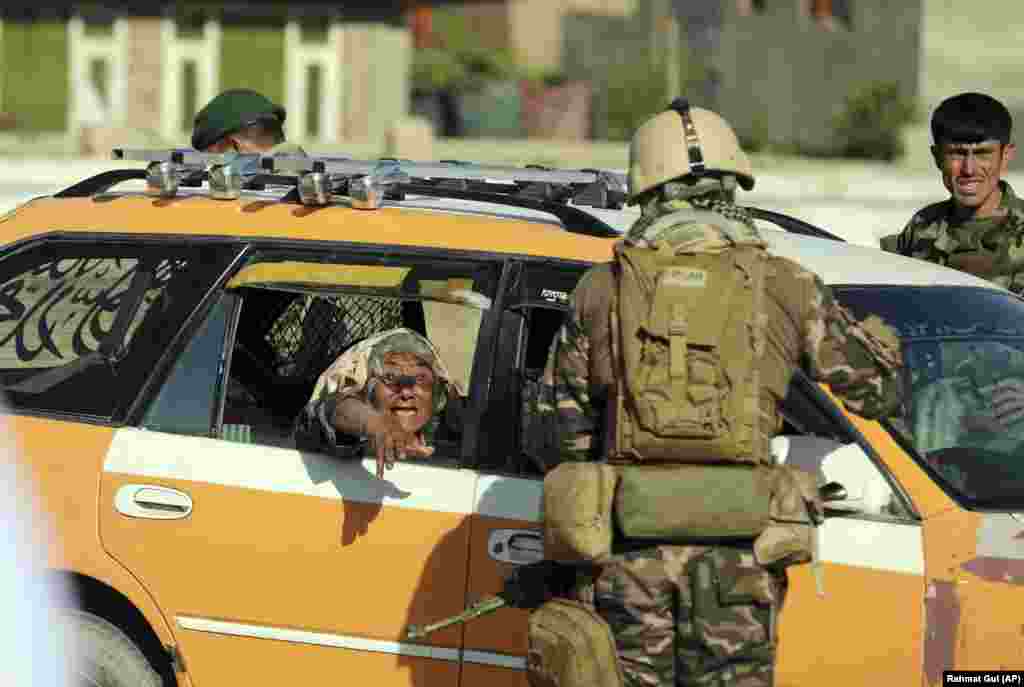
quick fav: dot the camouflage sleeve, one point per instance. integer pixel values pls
(563, 409)
(890, 243)
(1010, 252)
(345, 378)
(859, 360)
(903, 241)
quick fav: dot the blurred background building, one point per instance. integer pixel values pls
(813, 77)
(148, 67)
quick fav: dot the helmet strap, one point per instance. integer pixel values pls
(682, 107)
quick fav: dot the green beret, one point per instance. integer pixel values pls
(229, 112)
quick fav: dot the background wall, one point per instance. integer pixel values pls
(785, 77)
(968, 47)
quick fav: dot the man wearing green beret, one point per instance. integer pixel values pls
(241, 120)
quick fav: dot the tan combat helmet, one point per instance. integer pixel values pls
(685, 140)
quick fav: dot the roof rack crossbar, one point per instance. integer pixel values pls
(296, 164)
(181, 156)
(100, 183)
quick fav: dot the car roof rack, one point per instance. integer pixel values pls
(317, 180)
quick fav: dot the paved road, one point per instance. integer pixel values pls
(858, 202)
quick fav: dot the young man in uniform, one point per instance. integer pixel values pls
(685, 612)
(979, 229)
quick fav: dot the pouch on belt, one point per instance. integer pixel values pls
(795, 513)
(571, 646)
(577, 518)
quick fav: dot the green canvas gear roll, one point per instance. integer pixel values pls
(693, 502)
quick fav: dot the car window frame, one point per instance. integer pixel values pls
(508, 357)
(338, 252)
(165, 364)
(231, 304)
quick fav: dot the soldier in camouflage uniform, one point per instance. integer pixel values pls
(386, 391)
(700, 614)
(979, 229)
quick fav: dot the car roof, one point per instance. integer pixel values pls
(854, 264)
(435, 222)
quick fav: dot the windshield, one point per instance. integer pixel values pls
(963, 416)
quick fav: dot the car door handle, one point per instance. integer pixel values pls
(153, 502)
(516, 546)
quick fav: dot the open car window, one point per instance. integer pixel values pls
(963, 350)
(299, 313)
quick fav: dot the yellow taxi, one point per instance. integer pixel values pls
(162, 326)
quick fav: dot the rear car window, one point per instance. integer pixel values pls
(82, 323)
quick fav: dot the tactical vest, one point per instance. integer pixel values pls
(689, 337)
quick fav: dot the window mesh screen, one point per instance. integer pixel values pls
(313, 330)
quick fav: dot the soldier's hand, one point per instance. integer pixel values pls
(390, 442)
(1008, 401)
(529, 586)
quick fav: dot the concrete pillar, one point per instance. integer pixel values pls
(177, 52)
(536, 32)
(85, 105)
(299, 57)
(145, 74)
(411, 138)
(377, 60)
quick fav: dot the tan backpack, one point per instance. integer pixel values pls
(689, 336)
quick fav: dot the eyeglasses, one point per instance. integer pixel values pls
(396, 382)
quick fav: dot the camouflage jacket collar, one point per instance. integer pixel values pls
(735, 224)
(973, 234)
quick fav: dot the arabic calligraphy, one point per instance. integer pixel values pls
(62, 309)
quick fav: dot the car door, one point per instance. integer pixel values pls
(866, 617)
(272, 560)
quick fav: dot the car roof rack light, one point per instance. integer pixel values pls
(235, 171)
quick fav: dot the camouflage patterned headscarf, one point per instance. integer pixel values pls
(650, 228)
(356, 371)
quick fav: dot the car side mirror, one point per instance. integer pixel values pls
(832, 491)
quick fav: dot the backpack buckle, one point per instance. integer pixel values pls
(678, 326)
